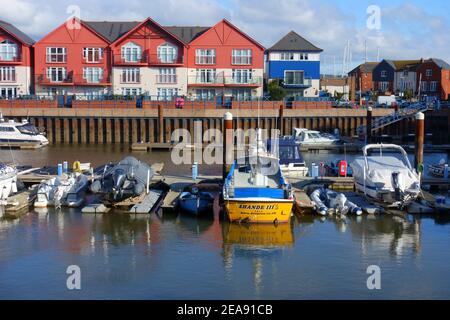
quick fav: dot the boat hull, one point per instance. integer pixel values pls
(259, 210)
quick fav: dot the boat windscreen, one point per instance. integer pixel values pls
(290, 154)
(28, 129)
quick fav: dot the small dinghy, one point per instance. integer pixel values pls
(128, 178)
(437, 170)
(8, 182)
(67, 190)
(327, 201)
(196, 201)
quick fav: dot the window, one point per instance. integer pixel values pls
(7, 129)
(205, 94)
(7, 74)
(242, 75)
(131, 91)
(167, 93)
(423, 86)
(167, 75)
(8, 50)
(433, 86)
(131, 75)
(56, 74)
(242, 94)
(384, 74)
(56, 55)
(303, 56)
(405, 73)
(241, 56)
(287, 56)
(93, 75)
(8, 92)
(205, 56)
(383, 86)
(206, 75)
(131, 52)
(167, 53)
(293, 77)
(92, 55)
(429, 72)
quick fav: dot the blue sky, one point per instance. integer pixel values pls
(409, 29)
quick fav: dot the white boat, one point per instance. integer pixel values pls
(312, 137)
(20, 132)
(384, 177)
(8, 182)
(291, 161)
(67, 190)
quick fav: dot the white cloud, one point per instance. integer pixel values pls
(408, 31)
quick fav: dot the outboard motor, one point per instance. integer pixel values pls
(119, 178)
(397, 187)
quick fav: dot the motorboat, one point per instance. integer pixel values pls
(255, 189)
(291, 161)
(438, 170)
(20, 132)
(328, 201)
(312, 137)
(127, 178)
(386, 176)
(196, 201)
(8, 182)
(65, 190)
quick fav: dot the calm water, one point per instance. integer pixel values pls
(179, 257)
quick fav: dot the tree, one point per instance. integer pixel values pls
(276, 91)
(408, 94)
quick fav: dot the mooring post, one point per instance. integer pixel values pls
(420, 135)
(160, 123)
(369, 125)
(280, 119)
(227, 155)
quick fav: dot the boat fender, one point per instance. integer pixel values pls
(76, 166)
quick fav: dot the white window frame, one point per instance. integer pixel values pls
(242, 76)
(167, 75)
(9, 50)
(92, 54)
(242, 94)
(287, 56)
(383, 86)
(56, 55)
(423, 86)
(205, 56)
(167, 53)
(429, 72)
(131, 91)
(167, 94)
(130, 75)
(433, 86)
(383, 74)
(8, 92)
(93, 74)
(131, 52)
(59, 72)
(206, 75)
(205, 94)
(302, 72)
(241, 57)
(7, 74)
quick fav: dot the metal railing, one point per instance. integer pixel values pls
(72, 79)
(145, 58)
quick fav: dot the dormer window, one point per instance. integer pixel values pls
(8, 50)
(429, 72)
(167, 53)
(131, 52)
(384, 74)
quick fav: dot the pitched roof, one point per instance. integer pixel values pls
(333, 81)
(405, 64)
(9, 28)
(111, 30)
(441, 63)
(293, 41)
(187, 34)
(366, 67)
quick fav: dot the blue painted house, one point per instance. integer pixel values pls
(296, 62)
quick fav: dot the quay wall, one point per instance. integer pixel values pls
(128, 125)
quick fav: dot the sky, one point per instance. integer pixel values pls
(397, 29)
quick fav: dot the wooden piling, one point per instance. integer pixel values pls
(227, 153)
(420, 136)
(369, 125)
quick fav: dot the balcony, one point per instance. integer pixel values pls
(293, 83)
(147, 60)
(243, 81)
(225, 81)
(71, 80)
(166, 79)
(6, 58)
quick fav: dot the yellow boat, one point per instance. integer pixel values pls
(255, 191)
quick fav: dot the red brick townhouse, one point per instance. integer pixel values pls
(15, 61)
(433, 78)
(363, 77)
(91, 58)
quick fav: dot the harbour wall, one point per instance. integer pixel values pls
(128, 125)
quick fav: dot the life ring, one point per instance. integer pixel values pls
(76, 166)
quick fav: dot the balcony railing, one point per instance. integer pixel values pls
(72, 79)
(220, 80)
(166, 78)
(7, 58)
(306, 82)
(147, 59)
